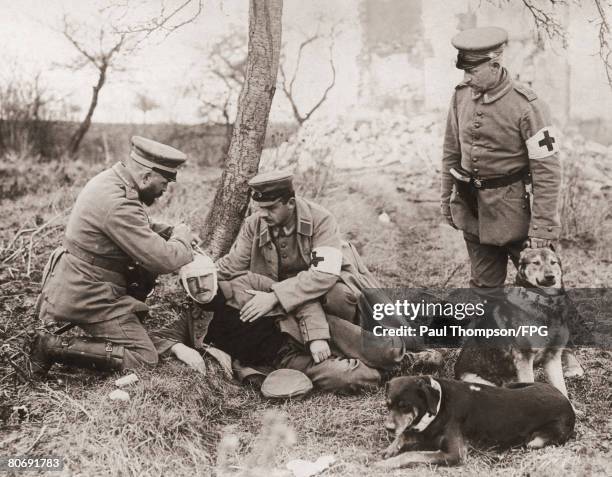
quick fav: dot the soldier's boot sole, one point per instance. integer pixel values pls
(40, 361)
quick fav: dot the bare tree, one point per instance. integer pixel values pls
(231, 200)
(605, 38)
(289, 83)
(232, 197)
(102, 57)
(547, 23)
(217, 90)
(145, 104)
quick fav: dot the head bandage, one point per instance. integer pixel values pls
(201, 267)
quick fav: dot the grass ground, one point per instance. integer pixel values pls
(181, 423)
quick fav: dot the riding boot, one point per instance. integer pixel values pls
(77, 351)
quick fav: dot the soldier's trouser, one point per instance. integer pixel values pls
(383, 352)
(336, 374)
(489, 263)
(127, 331)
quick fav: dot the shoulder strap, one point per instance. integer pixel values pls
(528, 93)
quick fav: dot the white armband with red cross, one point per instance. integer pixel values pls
(544, 143)
(326, 259)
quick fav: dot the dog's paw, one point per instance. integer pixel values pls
(578, 409)
(392, 450)
(382, 464)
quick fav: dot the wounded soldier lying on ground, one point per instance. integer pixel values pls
(275, 341)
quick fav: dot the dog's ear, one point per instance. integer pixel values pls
(431, 395)
(387, 389)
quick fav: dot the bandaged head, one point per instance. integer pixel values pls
(199, 278)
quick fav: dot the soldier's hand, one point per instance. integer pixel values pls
(319, 349)
(189, 356)
(534, 242)
(260, 305)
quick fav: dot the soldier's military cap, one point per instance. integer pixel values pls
(479, 45)
(268, 187)
(286, 384)
(160, 157)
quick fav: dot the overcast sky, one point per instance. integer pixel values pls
(162, 67)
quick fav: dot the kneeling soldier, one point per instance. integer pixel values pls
(111, 254)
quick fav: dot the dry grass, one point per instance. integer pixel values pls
(176, 422)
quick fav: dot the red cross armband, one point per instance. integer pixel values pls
(544, 143)
(327, 260)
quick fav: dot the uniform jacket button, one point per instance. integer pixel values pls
(475, 159)
(476, 136)
(535, 227)
(284, 255)
(550, 229)
(475, 170)
(479, 113)
(476, 125)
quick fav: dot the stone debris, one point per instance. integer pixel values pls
(126, 380)
(119, 395)
(306, 468)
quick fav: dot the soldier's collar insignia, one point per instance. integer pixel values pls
(304, 217)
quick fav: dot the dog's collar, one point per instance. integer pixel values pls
(428, 418)
(537, 297)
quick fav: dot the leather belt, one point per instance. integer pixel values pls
(493, 183)
(114, 265)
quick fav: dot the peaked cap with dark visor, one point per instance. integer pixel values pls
(479, 45)
(268, 187)
(159, 157)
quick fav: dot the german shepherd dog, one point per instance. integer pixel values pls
(538, 301)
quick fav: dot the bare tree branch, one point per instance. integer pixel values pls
(605, 48)
(546, 21)
(287, 85)
(163, 20)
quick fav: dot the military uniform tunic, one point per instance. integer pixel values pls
(109, 225)
(494, 134)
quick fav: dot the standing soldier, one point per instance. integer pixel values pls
(499, 143)
(98, 278)
(500, 167)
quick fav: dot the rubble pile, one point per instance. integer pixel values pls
(366, 141)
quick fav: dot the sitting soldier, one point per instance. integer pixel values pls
(357, 360)
(312, 272)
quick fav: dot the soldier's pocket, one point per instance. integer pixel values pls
(507, 206)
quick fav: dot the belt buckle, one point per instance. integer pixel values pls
(477, 183)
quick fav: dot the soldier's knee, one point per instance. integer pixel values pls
(141, 357)
(340, 301)
(346, 376)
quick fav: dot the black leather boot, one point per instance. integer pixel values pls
(77, 351)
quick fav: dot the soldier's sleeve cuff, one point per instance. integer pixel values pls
(284, 299)
(548, 232)
(314, 334)
(163, 345)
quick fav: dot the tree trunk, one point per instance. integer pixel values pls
(77, 137)
(231, 200)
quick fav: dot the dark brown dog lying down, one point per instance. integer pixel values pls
(437, 418)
